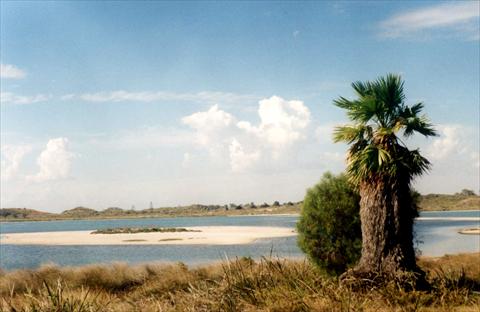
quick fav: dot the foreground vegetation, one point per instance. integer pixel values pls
(239, 285)
(429, 202)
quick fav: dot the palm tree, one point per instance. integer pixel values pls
(382, 168)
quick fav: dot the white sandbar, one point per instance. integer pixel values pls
(474, 231)
(208, 235)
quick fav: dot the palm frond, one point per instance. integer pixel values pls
(370, 160)
(415, 163)
(379, 114)
(361, 88)
(344, 103)
(363, 111)
(420, 125)
(350, 134)
(417, 108)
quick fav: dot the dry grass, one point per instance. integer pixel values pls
(239, 285)
(466, 264)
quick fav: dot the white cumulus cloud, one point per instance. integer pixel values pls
(239, 158)
(208, 124)
(9, 71)
(12, 156)
(54, 162)
(212, 119)
(282, 122)
(455, 161)
(449, 142)
(457, 17)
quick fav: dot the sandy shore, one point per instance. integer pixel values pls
(208, 235)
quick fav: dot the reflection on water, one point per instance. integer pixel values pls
(438, 237)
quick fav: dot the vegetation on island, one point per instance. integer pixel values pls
(132, 230)
(238, 285)
(382, 167)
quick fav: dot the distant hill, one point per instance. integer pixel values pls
(428, 202)
(432, 202)
(23, 213)
(80, 212)
(113, 211)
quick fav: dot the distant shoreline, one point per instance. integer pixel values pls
(455, 210)
(3, 220)
(448, 219)
(148, 217)
(427, 203)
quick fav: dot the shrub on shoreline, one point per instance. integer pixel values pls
(329, 227)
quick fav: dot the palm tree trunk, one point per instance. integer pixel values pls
(387, 214)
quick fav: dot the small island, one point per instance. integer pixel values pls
(133, 230)
(201, 235)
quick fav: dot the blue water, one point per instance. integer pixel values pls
(84, 225)
(438, 237)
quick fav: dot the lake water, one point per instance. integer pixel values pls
(436, 237)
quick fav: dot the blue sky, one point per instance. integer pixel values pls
(123, 103)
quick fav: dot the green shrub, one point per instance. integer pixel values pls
(329, 226)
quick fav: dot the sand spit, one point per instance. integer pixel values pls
(207, 235)
(473, 231)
